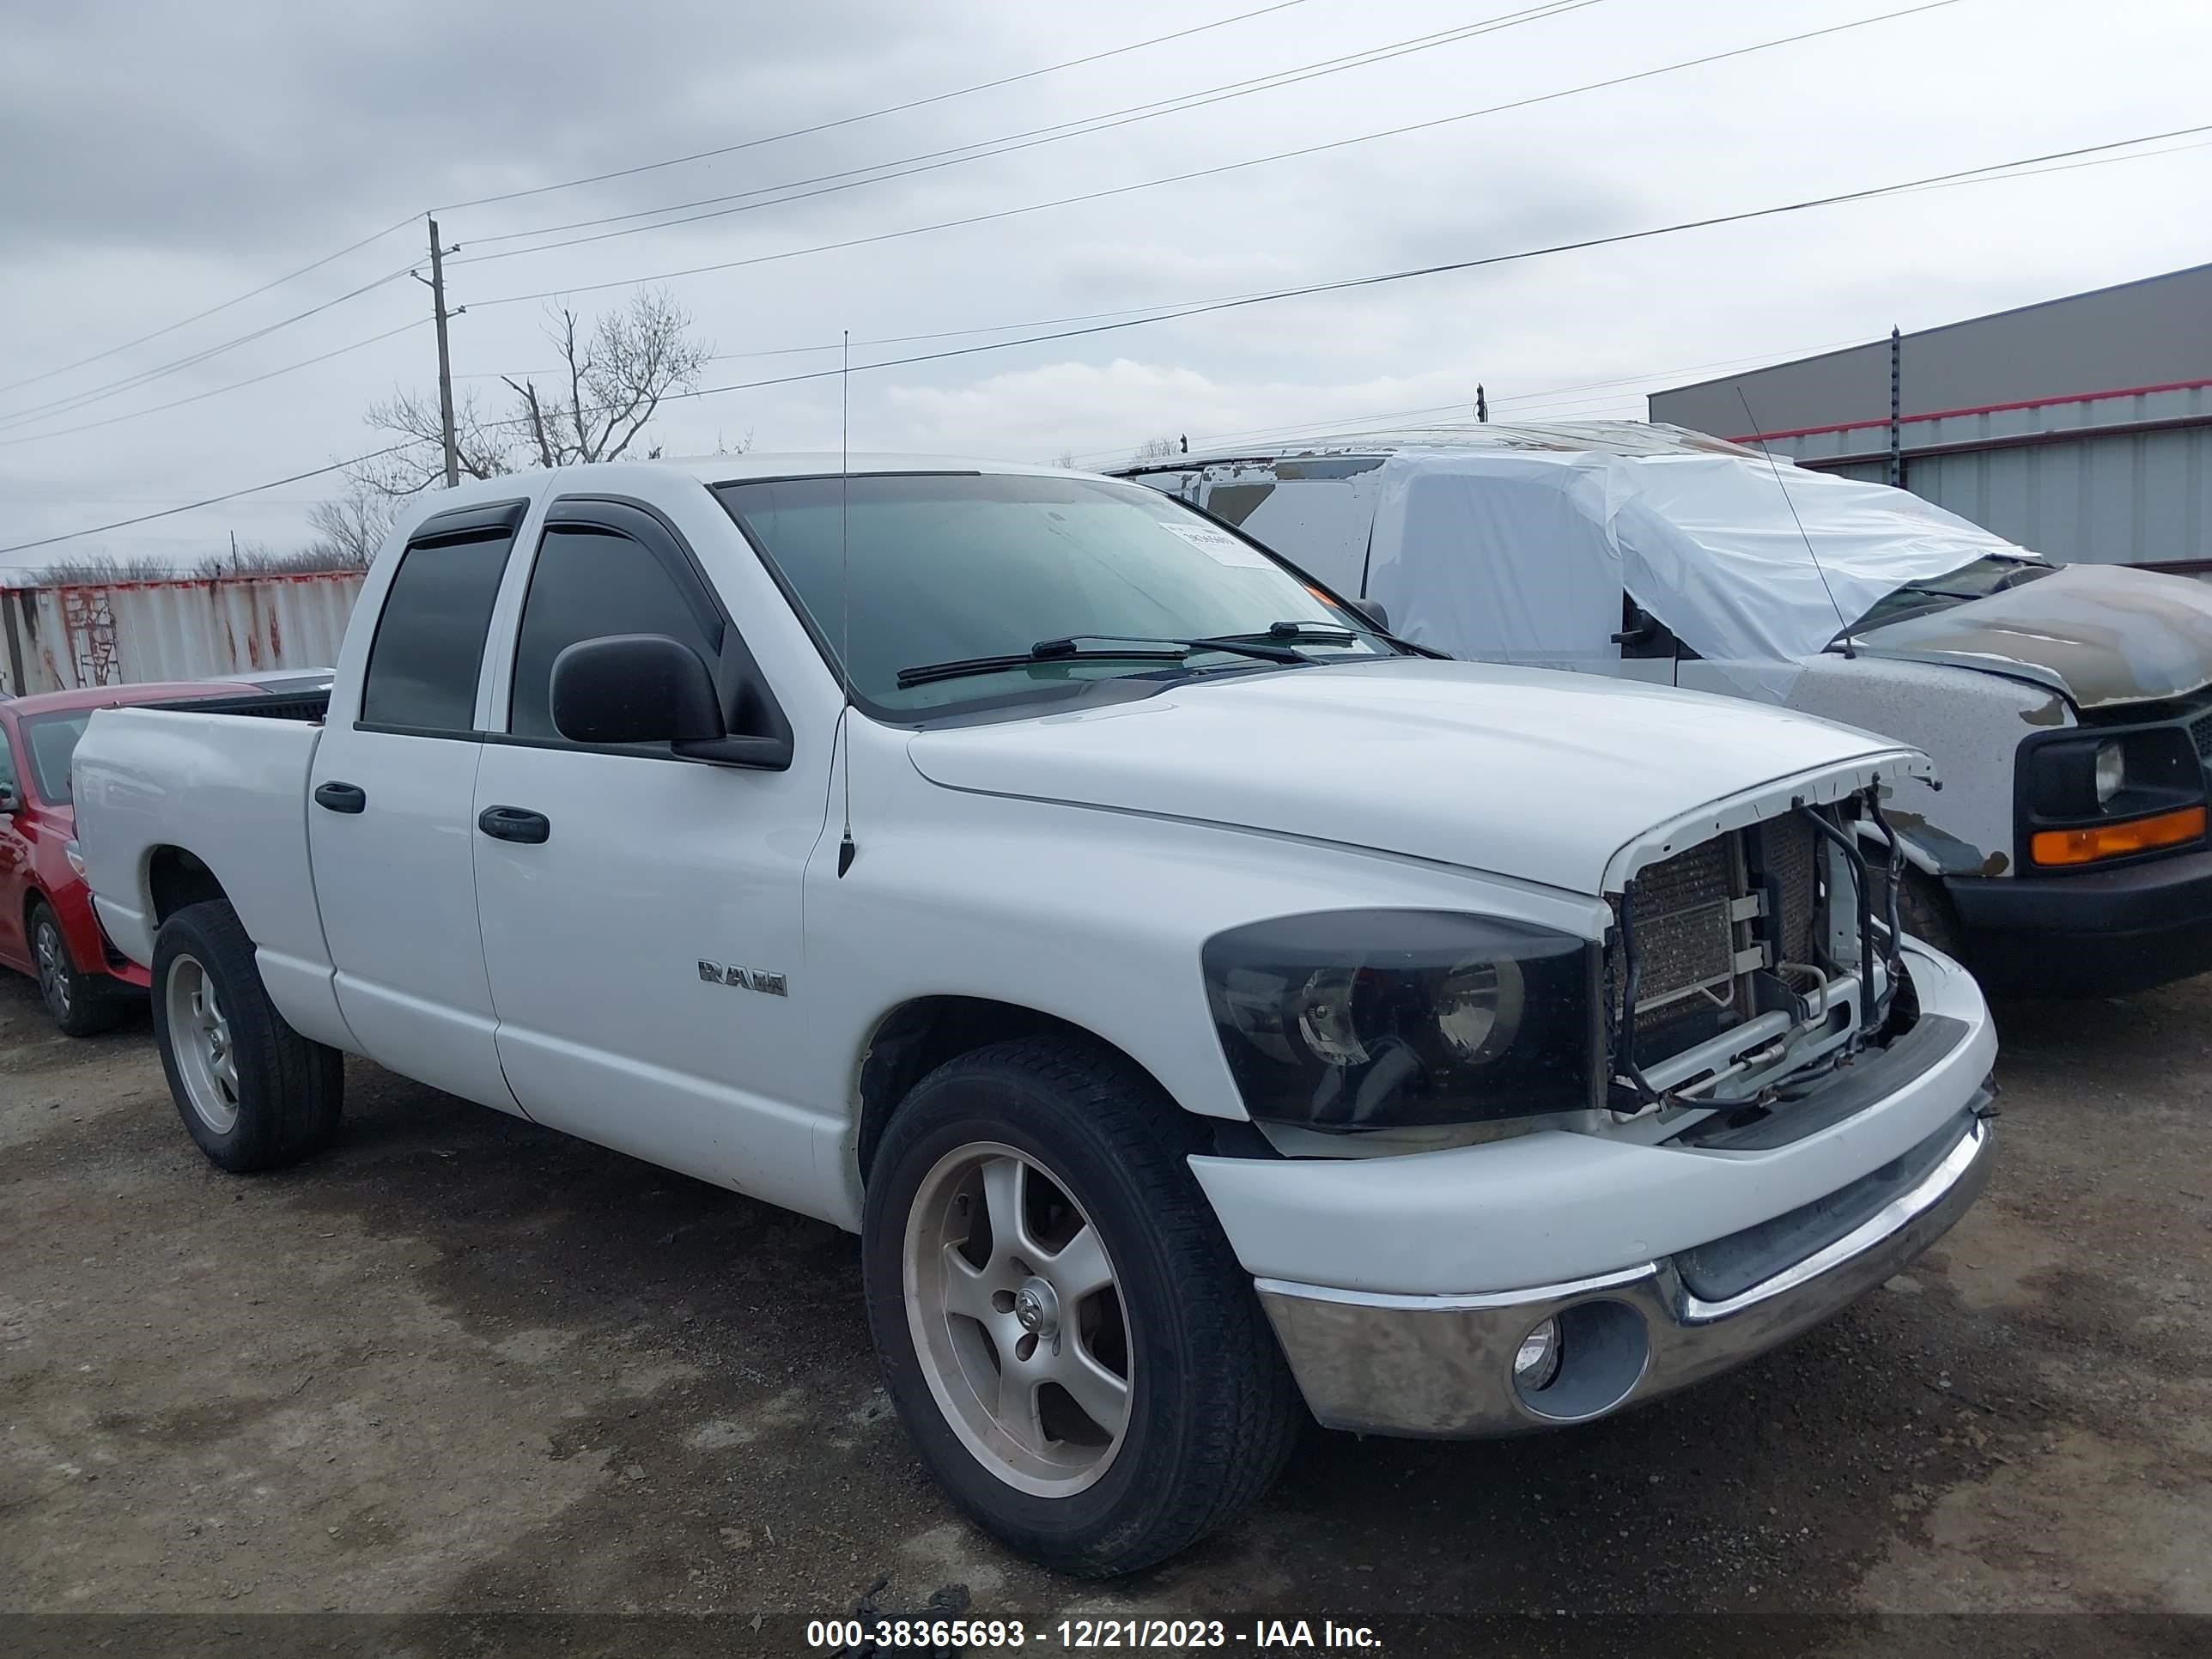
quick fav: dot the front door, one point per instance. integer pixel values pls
(389, 816)
(641, 912)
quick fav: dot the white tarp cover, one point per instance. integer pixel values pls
(1520, 556)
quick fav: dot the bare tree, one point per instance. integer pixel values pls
(259, 559)
(95, 569)
(484, 447)
(617, 378)
(1152, 449)
(612, 380)
(350, 527)
(1066, 458)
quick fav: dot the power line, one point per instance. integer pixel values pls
(213, 392)
(1144, 313)
(212, 501)
(85, 399)
(1333, 426)
(1007, 144)
(870, 115)
(78, 400)
(1990, 173)
(1214, 171)
(1140, 312)
(402, 224)
(240, 299)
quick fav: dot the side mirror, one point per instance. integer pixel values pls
(1373, 610)
(11, 800)
(634, 687)
(648, 688)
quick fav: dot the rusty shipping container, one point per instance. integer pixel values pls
(61, 638)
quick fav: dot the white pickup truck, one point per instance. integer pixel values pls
(1195, 998)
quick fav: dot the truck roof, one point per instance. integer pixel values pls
(722, 469)
(537, 483)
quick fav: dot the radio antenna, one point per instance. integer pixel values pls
(845, 848)
(1842, 625)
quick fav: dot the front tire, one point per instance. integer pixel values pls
(1924, 911)
(1069, 1342)
(81, 1005)
(253, 1093)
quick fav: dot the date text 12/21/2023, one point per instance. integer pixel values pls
(1077, 1635)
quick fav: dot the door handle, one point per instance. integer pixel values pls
(514, 823)
(341, 797)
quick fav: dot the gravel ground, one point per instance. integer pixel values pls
(464, 1363)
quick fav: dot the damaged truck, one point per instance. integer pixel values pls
(1199, 1000)
(2059, 850)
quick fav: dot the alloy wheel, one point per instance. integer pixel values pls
(1017, 1318)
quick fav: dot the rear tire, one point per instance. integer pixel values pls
(1092, 1379)
(253, 1093)
(81, 1005)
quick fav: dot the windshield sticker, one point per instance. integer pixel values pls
(1220, 546)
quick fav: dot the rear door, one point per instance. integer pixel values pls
(391, 827)
(641, 911)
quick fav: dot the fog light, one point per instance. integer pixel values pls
(1537, 1361)
(2111, 771)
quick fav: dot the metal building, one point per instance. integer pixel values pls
(2081, 428)
(67, 636)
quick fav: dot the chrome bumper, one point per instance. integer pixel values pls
(1441, 1367)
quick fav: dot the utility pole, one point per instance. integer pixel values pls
(445, 358)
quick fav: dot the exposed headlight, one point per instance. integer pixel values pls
(76, 859)
(1354, 1019)
(2111, 771)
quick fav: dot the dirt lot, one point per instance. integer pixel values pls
(465, 1363)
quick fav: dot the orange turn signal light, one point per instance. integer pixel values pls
(2114, 841)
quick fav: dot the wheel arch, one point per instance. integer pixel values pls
(34, 896)
(922, 1034)
(176, 877)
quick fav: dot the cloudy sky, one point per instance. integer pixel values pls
(161, 160)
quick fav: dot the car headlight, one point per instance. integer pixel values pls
(75, 858)
(2074, 778)
(1357, 1019)
(2111, 771)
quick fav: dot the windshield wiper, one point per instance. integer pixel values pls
(1318, 633)
(1130, 647)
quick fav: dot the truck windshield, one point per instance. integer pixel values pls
(1977, 580)
(954, 570)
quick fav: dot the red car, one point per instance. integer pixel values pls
(46, 926)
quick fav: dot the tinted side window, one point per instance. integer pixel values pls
(590, 582)
(430, 639)
(7, 762)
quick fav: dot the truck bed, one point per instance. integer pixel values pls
(220, 783)
(307, 706)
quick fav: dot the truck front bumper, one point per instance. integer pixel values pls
(1402, 1288)
(2088, 933)
(1442, 1367)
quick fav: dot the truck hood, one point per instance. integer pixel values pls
(2101, 633)
(1567, 780)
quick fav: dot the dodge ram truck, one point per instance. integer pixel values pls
(1206, 1007)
